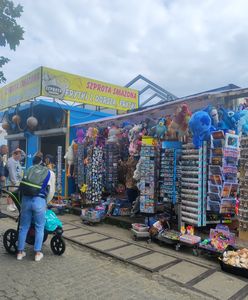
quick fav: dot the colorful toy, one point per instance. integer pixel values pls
(160, 129)
(179, 124)
(80, 136)
(69, 157)
(213, 113)
(113, 134)
(200, 126)
(243, 122)
(228, 120)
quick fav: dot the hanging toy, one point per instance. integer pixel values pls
(80, 136)
(113, 134)
(180, 121)
(32, 123)
(160, 129)
(200, 126)
(243, 123)
(213, 113)
(228, 120)
(69, 157)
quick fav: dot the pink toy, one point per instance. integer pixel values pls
(80, 136)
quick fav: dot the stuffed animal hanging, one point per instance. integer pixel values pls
(69, 158)
(228, 120)
(200, 126)
(160, 129)
(179, 124)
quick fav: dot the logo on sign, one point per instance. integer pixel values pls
(53, 90)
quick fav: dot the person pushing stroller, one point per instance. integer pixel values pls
(37, 188)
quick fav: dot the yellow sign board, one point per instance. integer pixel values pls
(20, 90)
(61, 85)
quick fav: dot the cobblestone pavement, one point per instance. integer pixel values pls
(80, 274)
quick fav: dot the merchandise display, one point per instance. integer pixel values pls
(223, 184)
(148, 178)
(169, 173)
(243, 200)
(219, 239)
(111, 158)
(95, 170)
(193, 184)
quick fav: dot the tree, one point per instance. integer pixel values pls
(10, 32)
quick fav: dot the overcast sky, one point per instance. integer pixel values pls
(186, 46)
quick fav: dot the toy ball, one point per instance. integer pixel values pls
(32, 122)
(16, 119)
(5, 125)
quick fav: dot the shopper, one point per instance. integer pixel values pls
(34, 207)
(15, 175)
(3, 153)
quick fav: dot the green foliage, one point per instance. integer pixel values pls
(10, 32)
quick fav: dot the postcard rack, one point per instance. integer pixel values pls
(222, 183)
(193, 185)
(243, 201)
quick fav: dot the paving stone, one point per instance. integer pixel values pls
(69, 226)
(93, 237)
(154, 260)
(220, 285)
(75, 232)
(108, 244)
(183, 272)
(128, 251)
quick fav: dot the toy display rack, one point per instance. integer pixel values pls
(193, 185)
(169, 176)
(222, 183)
(243, 201)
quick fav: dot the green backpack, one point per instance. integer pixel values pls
(35, 181)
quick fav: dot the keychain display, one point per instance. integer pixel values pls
(170, 172)
(95, 170)
(111, 158)
(148, 178)
(193, 184)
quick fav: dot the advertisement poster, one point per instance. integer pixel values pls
(61, 85)
(25, 88)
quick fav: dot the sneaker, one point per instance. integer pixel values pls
(21, 255)
(39, 256)
(10, 208)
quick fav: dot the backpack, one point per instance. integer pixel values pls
(6, 171)
(35, 181)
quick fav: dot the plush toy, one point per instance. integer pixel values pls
(69, 157)
(213, 113)
(179, 124)
(80, 136)
(228, 120)
(243, 122)
(113, 134)
(135, 135)
(160, 129)
(200, 126)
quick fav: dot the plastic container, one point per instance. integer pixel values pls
(231, 269)
(140, 227)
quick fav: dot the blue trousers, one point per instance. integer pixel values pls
(32, 209)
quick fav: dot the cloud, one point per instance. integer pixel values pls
(186, 46)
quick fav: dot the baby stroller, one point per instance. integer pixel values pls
(10, 237)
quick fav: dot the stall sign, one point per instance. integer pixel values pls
(61, 85)
(21, 90)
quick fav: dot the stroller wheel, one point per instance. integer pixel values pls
(10, 238)
(57, 245)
